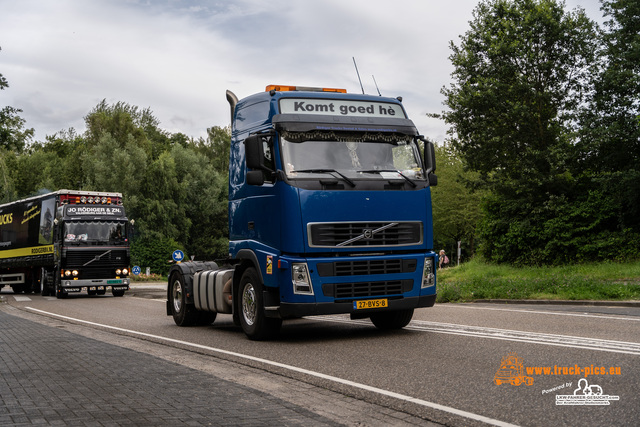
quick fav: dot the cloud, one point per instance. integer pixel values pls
(178, 57)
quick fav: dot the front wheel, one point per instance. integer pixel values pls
(117, 293)
(392, 319)
(252, 318)
(59, 292)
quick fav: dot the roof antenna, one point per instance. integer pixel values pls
(358, 73)
(376, 83)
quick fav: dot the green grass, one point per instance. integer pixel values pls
(477, 280)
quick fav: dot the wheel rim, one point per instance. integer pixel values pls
(249, 309)
(176, 293)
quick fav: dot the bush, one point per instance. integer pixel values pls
(155, 253)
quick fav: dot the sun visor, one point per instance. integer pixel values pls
(308, 122)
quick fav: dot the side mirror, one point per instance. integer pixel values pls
(430, 161)
(429, 156)
(254, 156)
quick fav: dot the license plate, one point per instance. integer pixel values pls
(370, 303)
(114, 282)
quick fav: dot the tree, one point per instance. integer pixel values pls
(610, 139)
(456, 203)
(7, 186)
(520, 73)
(13, 135)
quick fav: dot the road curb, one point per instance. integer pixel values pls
(561, 302)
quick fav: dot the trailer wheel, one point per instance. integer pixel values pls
(252, 318)
(183, 314)
(392, 319)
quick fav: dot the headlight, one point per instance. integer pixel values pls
(125, 271)
(300, 279)
(118, 272)
(75, 273)
(67, 273)
(428, 274)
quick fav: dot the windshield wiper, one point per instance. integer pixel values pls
(330, 171)
(409, 180)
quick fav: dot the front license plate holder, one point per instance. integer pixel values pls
(368, 304)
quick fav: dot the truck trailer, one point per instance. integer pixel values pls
(329, 213)
(65, 241)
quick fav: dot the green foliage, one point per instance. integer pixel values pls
(7, 170)
(174, 188)
(610, 138)
(154, 253)
(519, 73)
(478, 280)
(522, 73)
(13, 135)
(456, 204)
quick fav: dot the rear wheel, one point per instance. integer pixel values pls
(252, 318)
(392, 319)
(185, 314)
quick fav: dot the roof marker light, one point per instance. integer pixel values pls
(285, 88)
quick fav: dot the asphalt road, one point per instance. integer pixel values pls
(441, 368)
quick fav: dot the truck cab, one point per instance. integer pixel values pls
(329, 209)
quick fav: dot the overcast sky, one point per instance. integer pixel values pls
(62, 57)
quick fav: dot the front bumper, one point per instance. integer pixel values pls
(96, 284)
(289, 310)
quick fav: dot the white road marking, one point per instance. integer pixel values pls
(555, 313)
(508, 335)
(448, 409)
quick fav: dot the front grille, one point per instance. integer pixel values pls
(358, 234)
(367, 289)
(366, 267)
(96, 258)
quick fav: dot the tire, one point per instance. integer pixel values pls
(117, 293)
(59, 292)
(392, 319)
(253, 321)
(183, 314)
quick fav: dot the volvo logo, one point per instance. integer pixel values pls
(367, 234)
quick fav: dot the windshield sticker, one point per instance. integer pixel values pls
(390, 175)
(347, 108)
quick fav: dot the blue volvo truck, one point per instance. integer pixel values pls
(329, 213)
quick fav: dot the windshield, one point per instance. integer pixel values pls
(357, 155)
(94, 232)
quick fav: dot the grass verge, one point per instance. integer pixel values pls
(477, 280)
